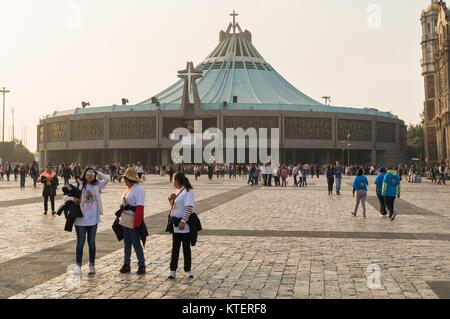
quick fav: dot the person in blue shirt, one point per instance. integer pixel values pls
(391, 189)
(360, 184)
(379, 186)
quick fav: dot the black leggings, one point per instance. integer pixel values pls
(52, 202)
(177, 240)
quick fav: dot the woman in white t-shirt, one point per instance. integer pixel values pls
(183, 205)
(133, 202)
(93, 182)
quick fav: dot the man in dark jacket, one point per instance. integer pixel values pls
(8, 170)
(67, 173)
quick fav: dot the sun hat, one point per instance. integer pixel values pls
(131, 174)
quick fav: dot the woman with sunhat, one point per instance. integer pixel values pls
(131, 220)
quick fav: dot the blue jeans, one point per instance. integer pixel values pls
(91, 232)
(132, 237)
(338, 184)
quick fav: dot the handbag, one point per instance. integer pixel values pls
(127, 219)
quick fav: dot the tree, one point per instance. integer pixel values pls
(416, 142)
(15, 152)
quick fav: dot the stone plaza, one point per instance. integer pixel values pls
(257, 242)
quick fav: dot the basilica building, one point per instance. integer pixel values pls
(234, 87)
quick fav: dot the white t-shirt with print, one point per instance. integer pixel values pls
(135, 196)
(91, 213)
(183, 200)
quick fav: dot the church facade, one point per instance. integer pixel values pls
(234, 87)
(435, 70)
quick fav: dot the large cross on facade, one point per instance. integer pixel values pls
(190, 74)
(234, 15)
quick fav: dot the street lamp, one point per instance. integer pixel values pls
(4, 91)
(348, 146)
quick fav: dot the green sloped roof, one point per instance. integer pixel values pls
(235, 68)
(232, 106)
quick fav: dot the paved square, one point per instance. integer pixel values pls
(257, 243)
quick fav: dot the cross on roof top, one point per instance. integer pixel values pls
(234, 15)
(190, 74)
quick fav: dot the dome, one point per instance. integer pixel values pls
(236, 68)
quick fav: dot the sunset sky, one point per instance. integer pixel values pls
(56, 53)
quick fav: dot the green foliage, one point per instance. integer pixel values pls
(416, 143)
(15, 152)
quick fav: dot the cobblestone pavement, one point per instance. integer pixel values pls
(257, 243)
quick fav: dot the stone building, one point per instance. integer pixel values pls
(435, 70)
(234, 87)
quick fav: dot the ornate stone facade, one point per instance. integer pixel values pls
(41, 134)
(132, 128)
(385, 132)
(435, 70)
(358, 130)
(87, 130)
(305, 128)
(56, 132)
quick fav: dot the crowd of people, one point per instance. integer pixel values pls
(268, 174)
(83, 208)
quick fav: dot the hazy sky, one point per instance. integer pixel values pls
(56, 53)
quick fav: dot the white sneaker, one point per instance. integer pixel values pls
(74, 269)
(172, 274)
(189, 274)
(91, 270)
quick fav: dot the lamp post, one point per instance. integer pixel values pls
(348, 148)
(4, 91)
